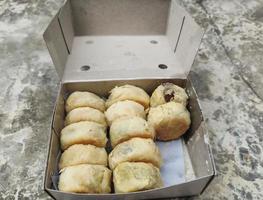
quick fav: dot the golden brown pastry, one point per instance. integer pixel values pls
(84, 99)
(85, 114)
(85, 179)
(170, 120)
(126, 128)
(135, 150)
(136, 176)
(128, 92)
(168, 92)
(124, 109)
(83, 133)
(83, 154)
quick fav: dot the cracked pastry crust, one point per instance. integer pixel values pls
(84, 99)
(135, 150)
(85, 178)
(124, 109)
(83, 133)
(83, 154)
(128, 92)
(136, 176)
(168, 92)
(126, 128)
(170, 120)
(85, 114)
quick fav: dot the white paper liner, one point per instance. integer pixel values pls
(173, 169)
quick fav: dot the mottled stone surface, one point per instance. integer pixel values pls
(227, 74)
(28, 87)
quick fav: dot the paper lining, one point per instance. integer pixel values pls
(172, 170)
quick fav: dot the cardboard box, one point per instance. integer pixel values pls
(98, 44)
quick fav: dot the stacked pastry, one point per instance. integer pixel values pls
(168, 114)
(135, 159)
(83, 163)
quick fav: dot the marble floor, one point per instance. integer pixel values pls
(227, 74)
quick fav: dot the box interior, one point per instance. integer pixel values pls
(198, 159)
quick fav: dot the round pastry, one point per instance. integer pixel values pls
(84, 99)
(128, 92)
(83, 154)
(168, 92)
(83, 133)
(136, 176)
(85, 114)
(124, 109)
(170, 120)
(135, 150)
(85, 179)
(126, 128)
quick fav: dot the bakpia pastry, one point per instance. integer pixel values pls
(85, 114)
(83, 133)
(135, 150)
(124, 109)
(85, 179)
(126, 128)
(128, 92)
(167, 92)
(170, 120)
(84, 99)
(83, 154)
(136, 176)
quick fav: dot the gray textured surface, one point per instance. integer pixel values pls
(227, 75)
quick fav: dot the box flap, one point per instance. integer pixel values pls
(56, 45)
(186, 42)
(134, 43)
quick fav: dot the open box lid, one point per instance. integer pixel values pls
(117, 39)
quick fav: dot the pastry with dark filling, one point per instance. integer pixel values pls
(168, 92)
